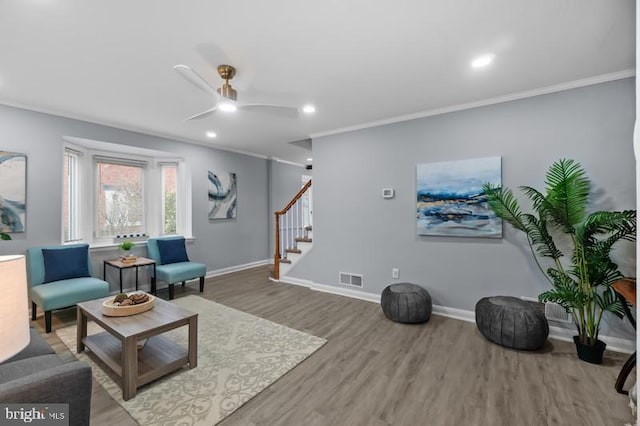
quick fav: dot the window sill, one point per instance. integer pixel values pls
(99, 247)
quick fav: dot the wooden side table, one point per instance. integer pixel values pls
(626, 288)
(140, 261)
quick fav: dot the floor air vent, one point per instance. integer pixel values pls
(347, 278)
(552, 311)
(555, 312)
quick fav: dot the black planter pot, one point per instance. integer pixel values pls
(590, 353)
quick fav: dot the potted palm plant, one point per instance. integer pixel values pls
(581, 281)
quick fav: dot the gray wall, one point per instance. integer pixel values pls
(219, 244)
(285, 180)
(357, 231)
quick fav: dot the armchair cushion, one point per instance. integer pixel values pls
(172, 251)
(64, 293)
(65, 263)
(61, 293)
(181, 271)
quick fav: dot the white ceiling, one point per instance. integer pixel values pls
(358, 61)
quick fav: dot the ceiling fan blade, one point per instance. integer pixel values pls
(280, 110)
(194, 78)
(202, 114)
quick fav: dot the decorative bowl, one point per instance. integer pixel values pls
(111, 310)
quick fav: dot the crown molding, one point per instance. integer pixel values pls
(619, 75)
(129, 128)
(603, 78)
(291, 163)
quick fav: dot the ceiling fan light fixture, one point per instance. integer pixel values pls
(226, 96)
(227, 105)
(226, 91)
(308, 109)
(483, 61)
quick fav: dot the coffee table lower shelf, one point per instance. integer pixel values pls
(158, 357)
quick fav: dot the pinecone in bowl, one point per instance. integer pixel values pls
(138, 298)
(122, 299)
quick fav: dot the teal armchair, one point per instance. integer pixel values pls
(172, 263)
(60, 277)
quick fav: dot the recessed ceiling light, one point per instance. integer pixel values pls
(308, 109)
(309, 159)
(211, 135)
(483, 61)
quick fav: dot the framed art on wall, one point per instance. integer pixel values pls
(13, 191)
(222, 195)
(450, 199)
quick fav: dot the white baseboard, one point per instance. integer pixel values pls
(356, 294)
(236, 268)
(340, 291)
(294, 281)
(616, 344)
(455, 313)
(565, 334)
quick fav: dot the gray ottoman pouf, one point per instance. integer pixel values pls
(511, 322)
(406, 302)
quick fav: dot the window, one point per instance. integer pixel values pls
(70, 195)
(169, 172)
(112, 190)
(119, 197)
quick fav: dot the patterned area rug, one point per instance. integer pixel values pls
(239, 355)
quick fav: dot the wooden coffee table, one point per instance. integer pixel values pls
(117, 345)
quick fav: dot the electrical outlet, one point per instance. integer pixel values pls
(395, 273)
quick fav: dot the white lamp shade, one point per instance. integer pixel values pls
(14, 311)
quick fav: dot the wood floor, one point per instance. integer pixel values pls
(376, 372)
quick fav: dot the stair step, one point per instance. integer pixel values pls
(284, 260)
(304, 240)
(293, 251)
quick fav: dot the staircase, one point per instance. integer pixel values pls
(301, 246)
(294, 236)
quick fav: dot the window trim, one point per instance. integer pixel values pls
(120, 161)
(152, 205)
(73, 187)
(161, 166)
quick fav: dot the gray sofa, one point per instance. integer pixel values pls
(37, 375)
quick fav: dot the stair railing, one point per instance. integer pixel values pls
(289, 226)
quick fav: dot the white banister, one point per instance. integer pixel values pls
(290, 224)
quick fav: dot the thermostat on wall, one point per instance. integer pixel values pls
(388, 192)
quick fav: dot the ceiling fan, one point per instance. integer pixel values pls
(226, 96)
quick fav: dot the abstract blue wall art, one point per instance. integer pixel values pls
(222, 195)
(13, 191)
(450, 199)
